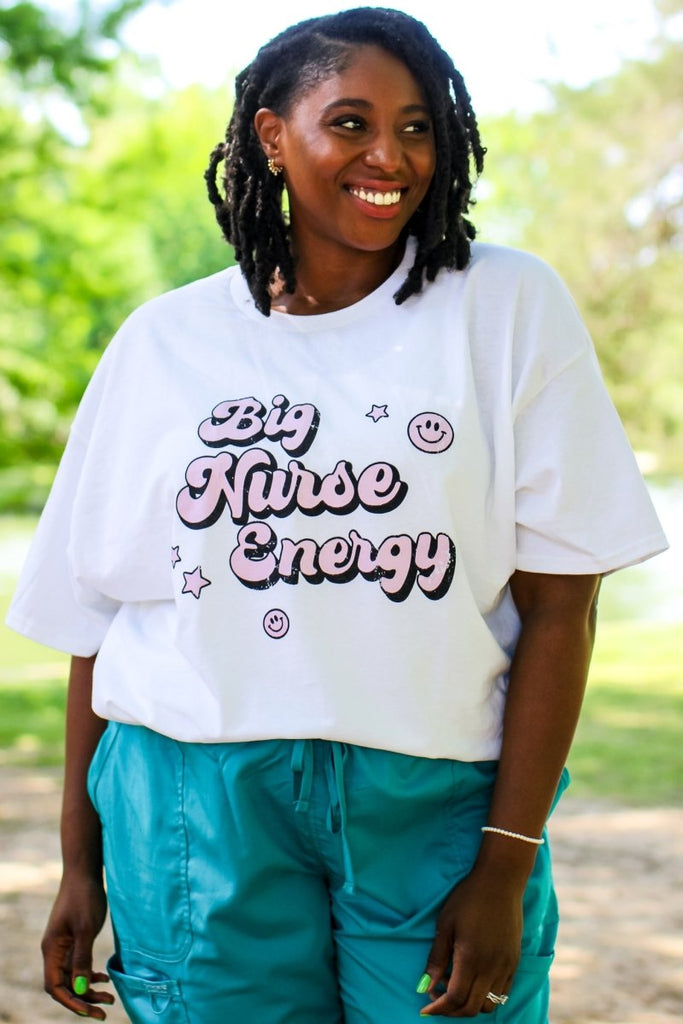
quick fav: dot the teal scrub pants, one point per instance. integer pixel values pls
(292, 881)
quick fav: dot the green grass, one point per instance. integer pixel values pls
(32, 724)
(629, 744)
(32, 700)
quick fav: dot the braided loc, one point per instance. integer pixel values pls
(250, 211)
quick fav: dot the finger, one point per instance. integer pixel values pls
(437, 965)
(489, 1005)
(56, 962)
(98, 996)
(499, 989)
(92, 997)
(63, 994)
(457, 1000)
(81, 964)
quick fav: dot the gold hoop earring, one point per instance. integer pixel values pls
(274, 168)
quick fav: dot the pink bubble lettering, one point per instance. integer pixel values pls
(252, 561)
(243, 421)
(397, 563)
(252, 484)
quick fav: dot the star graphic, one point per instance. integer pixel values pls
(195, 582)
(378, 412)
(175, 556)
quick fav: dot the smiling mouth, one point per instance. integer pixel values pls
(375, 198)
(430, 440)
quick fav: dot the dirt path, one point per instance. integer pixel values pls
(619, 875)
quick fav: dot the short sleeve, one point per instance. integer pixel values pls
(581, 503)
(104, 537)
(49, 606)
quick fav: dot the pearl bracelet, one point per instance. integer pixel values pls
(513, 835)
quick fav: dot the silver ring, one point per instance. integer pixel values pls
(497, 1000)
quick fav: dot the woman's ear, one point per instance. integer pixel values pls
(268, 127)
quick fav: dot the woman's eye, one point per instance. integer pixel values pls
(349, 122)
(417, 127)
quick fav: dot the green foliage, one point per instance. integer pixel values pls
(595, 186)
(89, 234)
(42, 54)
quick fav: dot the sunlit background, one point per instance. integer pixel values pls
(108, 112)
(507, 52)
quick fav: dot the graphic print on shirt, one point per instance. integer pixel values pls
(430, 433)
(195, 582)
(378, 412)
(250, 487)
(276, 623)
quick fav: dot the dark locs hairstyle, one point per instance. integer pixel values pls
(250, 211)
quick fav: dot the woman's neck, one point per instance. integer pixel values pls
(336, 280)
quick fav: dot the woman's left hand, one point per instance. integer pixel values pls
(478, 940)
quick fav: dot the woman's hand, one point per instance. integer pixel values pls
(478, 940)
(479, 929)
(76, 919)
(81, 905)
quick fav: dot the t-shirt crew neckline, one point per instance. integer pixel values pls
(325, 321)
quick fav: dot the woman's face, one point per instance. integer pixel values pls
(358, 155)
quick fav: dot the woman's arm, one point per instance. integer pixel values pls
(480, 926)
(80, 907)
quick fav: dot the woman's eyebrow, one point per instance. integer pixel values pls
(358, 104)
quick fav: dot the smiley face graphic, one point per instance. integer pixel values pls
(276, 623)
(430, 432)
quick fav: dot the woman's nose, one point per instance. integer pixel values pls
(385, 152)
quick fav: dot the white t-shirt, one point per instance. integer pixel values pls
(305, 526)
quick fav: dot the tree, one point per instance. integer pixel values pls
(87, 231)
(42, 54)
(595, 185)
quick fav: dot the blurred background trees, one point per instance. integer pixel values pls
(595, 185)
(102, 205)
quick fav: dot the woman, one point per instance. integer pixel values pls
(319, 803)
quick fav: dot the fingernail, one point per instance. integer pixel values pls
(423, 984)
(81, 985)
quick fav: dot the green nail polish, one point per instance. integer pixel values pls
(423, 984)
(80, 985)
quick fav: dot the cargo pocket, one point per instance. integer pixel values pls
(147, 1000)
(136, 784)
(530, 993)
(99, 759)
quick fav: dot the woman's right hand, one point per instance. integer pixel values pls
(77, 917)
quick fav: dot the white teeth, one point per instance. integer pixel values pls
(377, 198)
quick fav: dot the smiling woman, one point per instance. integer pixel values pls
(329, 804)
(349, 117)
(356, 149)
